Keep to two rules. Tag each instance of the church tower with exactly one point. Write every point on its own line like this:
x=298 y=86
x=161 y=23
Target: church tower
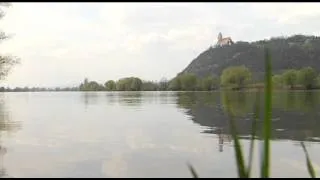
x=224 y=41
x=219 y=37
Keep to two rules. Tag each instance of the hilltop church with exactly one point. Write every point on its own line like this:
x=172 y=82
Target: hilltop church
x=223 y=41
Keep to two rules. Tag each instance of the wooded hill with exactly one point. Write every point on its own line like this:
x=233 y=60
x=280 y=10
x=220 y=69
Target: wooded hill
x=293 y=52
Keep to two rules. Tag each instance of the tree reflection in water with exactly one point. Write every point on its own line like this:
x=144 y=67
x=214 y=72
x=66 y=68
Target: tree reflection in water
x=7 y=126
x=295 y=115
x=222 y=138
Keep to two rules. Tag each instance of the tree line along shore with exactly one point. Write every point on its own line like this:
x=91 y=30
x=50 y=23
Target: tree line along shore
x=232 y=78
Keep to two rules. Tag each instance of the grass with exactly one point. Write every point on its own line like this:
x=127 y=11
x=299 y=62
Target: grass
x=243 y=170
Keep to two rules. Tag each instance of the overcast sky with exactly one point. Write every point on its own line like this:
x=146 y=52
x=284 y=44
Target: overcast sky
x=62 y=43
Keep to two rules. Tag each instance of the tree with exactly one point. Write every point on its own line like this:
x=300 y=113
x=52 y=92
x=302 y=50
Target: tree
x=277 y=80
x=149 y=86
x=237 y=103
x=110 y=85
x=163 y=84
x=121 y=84
x=84 y=86
x=129 y=84
x=175 y=84
x=6 y=61
x=208 y=83
x=135 y=84
x=184 y=82
x=236 y=77
x=188 y=82
x=290 y=77
x=94 y=86
x=318 y=81
x=90 y=86
x=307 y=77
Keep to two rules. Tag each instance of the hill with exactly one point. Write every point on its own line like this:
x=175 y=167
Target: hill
x=292 y=52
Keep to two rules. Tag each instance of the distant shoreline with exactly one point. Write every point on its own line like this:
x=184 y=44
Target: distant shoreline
x=218 y=90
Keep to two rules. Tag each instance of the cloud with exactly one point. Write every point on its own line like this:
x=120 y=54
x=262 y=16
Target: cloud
x=62 y=43
x=285 y=12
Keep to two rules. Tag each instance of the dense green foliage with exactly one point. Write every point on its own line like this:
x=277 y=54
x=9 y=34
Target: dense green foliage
x=190 y=82
x=183 y=82
x=90 y=86
x=129 y=84
x=277 y=81
x=175 y=84
x=236 y=77
x=208 y=83
x=149 y=86
x=290 y=77
x=110 y=85
x=305 y=78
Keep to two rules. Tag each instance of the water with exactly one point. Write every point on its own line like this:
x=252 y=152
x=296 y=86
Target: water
x=148 y=134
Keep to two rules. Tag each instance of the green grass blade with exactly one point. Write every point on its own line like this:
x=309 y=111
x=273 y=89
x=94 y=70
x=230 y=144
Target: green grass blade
x=193 y=171
x=309 y=164
x=254 y=130
x=238 y=151
x=267 y=119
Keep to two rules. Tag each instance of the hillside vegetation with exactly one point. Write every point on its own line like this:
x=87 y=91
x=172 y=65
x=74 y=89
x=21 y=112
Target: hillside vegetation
x=293 y=52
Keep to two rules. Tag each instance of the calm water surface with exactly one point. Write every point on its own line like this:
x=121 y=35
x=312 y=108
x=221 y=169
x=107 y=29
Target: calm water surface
x=148 y=134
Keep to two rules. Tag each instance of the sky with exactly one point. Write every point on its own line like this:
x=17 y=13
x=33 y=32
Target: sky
x=60 y=44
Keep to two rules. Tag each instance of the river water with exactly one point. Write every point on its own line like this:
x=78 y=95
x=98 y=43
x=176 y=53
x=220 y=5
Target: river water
x=149 y=134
